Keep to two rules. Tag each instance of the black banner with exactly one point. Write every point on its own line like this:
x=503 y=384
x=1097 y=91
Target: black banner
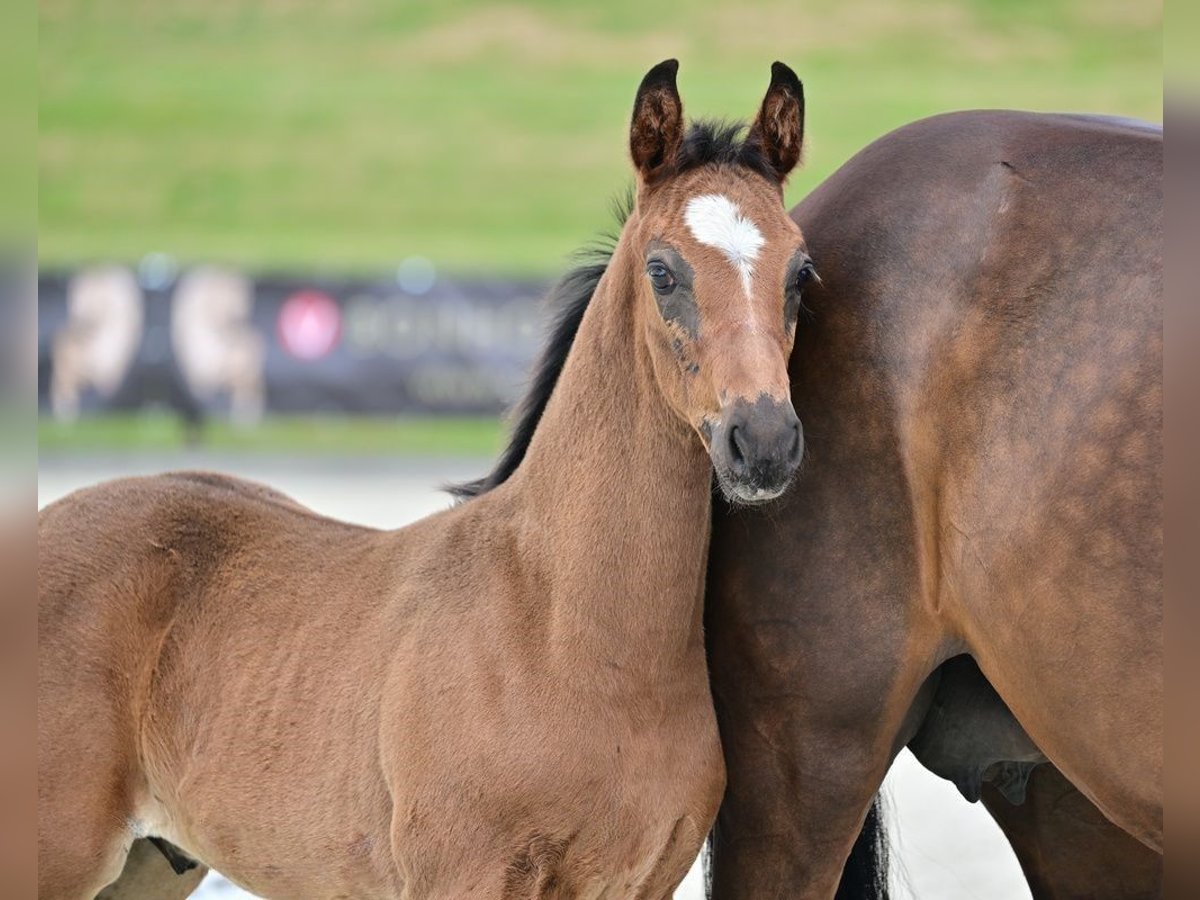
x=215 y=342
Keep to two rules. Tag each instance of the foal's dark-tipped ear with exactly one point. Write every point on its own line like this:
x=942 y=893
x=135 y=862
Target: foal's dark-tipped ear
x=779 y=129
x=657 y=128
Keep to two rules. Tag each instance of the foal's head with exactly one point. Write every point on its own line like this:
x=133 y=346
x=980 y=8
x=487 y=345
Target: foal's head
x=724 y=270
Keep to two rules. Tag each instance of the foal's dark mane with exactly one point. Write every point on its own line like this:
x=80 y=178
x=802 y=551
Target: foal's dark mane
x=569 y=301
x=707 y=143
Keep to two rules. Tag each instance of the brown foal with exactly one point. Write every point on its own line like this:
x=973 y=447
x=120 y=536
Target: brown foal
x=507 y=699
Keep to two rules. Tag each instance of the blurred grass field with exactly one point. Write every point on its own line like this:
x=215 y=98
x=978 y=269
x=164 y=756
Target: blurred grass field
x=491 y=137
x=158 y=432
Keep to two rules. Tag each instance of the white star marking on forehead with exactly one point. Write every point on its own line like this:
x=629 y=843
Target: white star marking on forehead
x=715 y=220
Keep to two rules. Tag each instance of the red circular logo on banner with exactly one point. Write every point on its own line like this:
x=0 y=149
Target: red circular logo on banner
x=310 y=325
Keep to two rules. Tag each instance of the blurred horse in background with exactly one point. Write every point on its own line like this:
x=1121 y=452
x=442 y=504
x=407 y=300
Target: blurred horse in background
x=217 y=348
x=98 y=342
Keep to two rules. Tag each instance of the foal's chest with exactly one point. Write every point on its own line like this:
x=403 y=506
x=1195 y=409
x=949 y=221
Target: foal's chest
x=600 y=804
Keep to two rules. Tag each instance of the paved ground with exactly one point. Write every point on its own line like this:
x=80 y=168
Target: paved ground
x=947 y=849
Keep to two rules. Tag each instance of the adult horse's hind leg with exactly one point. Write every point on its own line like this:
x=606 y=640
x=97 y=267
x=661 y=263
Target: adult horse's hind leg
x=1068 y=849
x=149 y=876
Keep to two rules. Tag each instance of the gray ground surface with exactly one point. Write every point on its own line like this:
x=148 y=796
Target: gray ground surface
x=945 y=847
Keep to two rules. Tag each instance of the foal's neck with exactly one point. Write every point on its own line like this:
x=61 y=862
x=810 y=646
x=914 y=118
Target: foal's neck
x=615 y=493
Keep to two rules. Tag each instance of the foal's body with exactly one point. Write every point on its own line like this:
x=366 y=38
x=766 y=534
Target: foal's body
x=508 y=699
x=272 y=660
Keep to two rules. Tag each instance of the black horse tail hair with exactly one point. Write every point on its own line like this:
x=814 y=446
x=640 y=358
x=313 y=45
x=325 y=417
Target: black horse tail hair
x=866 y=875
x=867 y=871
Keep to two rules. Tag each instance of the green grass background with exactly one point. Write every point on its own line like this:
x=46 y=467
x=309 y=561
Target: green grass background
x=345 y=135
x=162 y=432
x=348 y=134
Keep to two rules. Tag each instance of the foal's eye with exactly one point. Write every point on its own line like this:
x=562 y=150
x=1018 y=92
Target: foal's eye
x=660 y=277
x=804 y=275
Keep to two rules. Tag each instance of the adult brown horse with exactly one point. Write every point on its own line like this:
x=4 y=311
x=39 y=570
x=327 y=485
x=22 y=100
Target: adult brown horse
x=981 y=386
x=508 y=699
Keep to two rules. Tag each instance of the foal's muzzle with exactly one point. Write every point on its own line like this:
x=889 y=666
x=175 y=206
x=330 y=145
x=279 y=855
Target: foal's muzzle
x=756 y=449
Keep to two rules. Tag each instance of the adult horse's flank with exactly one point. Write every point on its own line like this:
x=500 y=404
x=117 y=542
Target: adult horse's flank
x=507 y=699
x=972 y=560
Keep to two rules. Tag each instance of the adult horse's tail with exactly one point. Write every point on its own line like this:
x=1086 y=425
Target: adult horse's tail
x=866 y=874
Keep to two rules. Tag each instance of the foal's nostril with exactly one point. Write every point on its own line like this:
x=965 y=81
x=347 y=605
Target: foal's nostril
x=737 y=447
x=794 y=450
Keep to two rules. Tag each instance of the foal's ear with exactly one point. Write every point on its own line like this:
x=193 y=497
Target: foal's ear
x=657 y=128
x=779 y=129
